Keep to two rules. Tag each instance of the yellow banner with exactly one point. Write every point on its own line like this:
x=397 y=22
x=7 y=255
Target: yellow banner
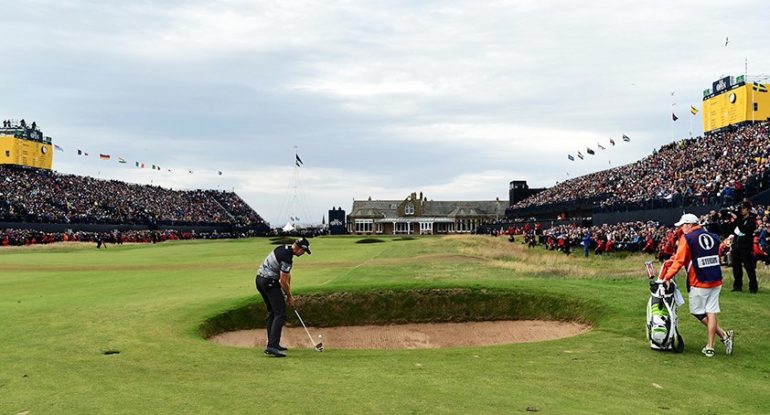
x=746 y=103
x=21 y=152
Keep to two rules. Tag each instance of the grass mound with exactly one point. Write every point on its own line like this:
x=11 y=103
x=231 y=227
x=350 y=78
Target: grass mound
x=410 y=306
x=369 y=241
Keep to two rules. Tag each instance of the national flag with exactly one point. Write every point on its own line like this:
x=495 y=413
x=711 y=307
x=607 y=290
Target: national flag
x=121 y=160
x=626 y=138
x=674 y=117
x=580 y=155
x=612 y=141
x=56 y=147
x=298 y=160
x=601 y=147
x=589 y=151
x=693 y=110
x=569 y=156
x=104 y=156
x=759 y=87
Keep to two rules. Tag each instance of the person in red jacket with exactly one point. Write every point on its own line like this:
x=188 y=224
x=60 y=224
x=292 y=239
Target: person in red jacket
x=698 y=253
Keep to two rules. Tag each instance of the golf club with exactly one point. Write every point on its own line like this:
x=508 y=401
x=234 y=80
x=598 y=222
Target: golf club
x=650 y=269
x=320 y=346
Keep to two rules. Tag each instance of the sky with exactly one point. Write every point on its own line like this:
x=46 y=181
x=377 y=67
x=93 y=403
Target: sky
x=379 y=99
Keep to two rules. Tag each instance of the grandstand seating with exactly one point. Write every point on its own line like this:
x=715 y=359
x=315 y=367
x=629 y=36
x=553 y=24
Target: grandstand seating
x=721 y=168
x=32 y=195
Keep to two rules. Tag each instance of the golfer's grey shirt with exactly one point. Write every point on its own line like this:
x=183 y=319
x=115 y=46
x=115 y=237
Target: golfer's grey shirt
x=280 y=260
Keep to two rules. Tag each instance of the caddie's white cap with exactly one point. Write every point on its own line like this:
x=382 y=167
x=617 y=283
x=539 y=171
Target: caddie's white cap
x=688 y=218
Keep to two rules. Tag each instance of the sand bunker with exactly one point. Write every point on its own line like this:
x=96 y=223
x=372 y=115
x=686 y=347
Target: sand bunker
x=411 y=336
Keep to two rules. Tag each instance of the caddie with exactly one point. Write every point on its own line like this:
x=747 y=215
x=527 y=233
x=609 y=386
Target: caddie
x=698 y=253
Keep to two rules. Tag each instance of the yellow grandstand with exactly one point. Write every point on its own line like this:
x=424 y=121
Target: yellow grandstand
x=25 y=145
x=733 y=101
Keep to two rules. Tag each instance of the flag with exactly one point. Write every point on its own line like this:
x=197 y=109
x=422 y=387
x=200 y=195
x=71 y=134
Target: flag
x=759 y=87
x=169 y=170
x=674 y=117
x=580 y=155
x=220 y=173
x=55 y=147
x=121 y=160
x=80 y=152
x=626 y=138
x=85 y=154
x=693 y=110
x=141 y=165
x=298 y=160
x=104 y=156
x=612 y=141
x=137 y=164
x=153 y=167
x=601 y=147
x=569 y=156
x=589 y=151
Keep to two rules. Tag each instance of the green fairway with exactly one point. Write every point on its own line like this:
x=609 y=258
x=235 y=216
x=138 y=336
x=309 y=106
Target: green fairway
x=62 y=307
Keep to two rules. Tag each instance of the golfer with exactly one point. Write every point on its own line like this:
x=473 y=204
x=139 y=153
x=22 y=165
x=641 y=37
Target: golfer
x=698 y=253
x=274 y=284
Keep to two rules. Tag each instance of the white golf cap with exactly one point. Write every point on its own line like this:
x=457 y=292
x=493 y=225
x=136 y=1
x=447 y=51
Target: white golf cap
x=687 y=218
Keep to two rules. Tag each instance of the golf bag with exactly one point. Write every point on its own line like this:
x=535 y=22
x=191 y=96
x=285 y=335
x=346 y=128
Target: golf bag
x=662 y=322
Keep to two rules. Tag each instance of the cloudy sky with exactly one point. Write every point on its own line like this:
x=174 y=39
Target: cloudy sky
x=379 y=98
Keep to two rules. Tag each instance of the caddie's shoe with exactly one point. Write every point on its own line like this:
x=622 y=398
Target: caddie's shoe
x=728 y=342
x=708 y=352
x=272 y=351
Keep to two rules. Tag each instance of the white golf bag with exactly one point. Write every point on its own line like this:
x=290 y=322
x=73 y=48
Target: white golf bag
x=662 y=322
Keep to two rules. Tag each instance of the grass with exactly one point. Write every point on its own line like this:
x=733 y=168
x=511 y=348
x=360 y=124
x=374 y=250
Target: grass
x=63 y=307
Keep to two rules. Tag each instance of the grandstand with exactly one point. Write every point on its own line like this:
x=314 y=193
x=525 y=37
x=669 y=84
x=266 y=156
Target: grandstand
x=33 y=196
x=701 y=174
x=37 y=196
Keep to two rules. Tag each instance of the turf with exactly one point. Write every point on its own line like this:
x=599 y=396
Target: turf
x=118 y=331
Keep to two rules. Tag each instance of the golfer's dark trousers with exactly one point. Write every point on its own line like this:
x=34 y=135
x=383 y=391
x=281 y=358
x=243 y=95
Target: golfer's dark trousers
x=276 y=308
x=743 y=258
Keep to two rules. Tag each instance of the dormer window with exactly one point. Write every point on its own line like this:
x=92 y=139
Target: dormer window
x=409 y=209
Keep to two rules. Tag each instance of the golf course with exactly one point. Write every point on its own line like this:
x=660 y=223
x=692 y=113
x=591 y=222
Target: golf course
x=125 y=330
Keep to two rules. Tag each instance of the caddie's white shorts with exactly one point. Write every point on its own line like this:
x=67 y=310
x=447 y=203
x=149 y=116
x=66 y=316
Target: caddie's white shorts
x=704 y=300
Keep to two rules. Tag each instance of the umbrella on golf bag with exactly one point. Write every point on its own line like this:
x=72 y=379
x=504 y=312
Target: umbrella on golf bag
x=662 y=322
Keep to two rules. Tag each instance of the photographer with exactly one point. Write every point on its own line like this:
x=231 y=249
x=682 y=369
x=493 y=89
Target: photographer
x=742 y=249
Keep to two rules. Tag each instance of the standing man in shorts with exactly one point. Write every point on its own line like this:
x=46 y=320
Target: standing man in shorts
x=274 y=284
x=698 y=253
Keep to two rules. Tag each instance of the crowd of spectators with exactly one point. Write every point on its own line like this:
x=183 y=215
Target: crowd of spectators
x=30 y=195
x=720 y=168
x=27 y=237
x=648 y=237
